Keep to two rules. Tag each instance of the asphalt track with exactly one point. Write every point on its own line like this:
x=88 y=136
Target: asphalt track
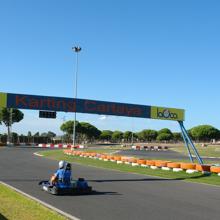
x=119 y=195
x=154 y=154
x=168 y=154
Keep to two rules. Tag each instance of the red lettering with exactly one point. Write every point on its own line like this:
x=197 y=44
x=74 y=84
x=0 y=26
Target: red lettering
x=102 y=108
x=90 y=106
x=59 y=103
x=33 y=103
x=129 y=111
x=121 y=109
x=113 y=108
x=137 y=112
x=71 y=106
x=42 y=103
x=50 y=103
x=20 y=100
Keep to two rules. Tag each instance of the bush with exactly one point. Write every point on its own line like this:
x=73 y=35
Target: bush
x=204 y=133
x=164 y=137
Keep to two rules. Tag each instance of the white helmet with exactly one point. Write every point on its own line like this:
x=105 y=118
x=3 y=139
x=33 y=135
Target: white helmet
x=61 y=164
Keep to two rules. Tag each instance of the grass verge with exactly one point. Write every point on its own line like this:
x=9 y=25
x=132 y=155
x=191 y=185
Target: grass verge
x=16 y=206
x=213 y=179
x=209 y=151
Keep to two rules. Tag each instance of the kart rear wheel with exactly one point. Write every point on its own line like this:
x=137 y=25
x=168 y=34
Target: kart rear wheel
x=53 y=190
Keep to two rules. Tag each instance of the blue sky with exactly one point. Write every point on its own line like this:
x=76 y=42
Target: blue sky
x=163 y=53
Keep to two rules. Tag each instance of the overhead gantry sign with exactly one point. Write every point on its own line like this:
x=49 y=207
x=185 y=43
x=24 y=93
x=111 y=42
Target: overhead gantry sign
x=50 y=103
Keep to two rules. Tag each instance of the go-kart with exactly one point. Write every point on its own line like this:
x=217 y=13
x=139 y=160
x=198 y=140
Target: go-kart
x=77 y=187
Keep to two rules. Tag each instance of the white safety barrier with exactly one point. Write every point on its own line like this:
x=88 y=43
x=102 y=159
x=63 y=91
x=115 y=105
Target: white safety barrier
x=191 y=171
x=154 y=148
x=60 y=146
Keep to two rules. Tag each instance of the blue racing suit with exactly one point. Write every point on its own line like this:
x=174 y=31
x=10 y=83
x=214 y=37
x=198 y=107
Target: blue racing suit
x=63 y=176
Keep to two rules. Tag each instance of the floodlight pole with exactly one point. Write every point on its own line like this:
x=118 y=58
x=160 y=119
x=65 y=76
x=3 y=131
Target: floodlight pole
x=9 y=127
x=76 y=49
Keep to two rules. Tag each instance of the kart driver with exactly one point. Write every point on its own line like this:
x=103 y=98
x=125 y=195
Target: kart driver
x=63 y=174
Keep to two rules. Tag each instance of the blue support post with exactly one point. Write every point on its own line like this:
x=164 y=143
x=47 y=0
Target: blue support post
x=186 y=143
x=191 y=143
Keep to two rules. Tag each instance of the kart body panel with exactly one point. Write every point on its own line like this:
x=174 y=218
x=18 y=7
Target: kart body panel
x=78 y=187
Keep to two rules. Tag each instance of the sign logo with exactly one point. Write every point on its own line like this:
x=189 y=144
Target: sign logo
x=167 y=113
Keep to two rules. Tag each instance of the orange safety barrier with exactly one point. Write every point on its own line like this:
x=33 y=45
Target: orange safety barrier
x=93 y=154
x=215 y=169
x=150 y=162
x=161 y=163
x=124 y=159
x=112 y=158
x=188 y=166
x=104 y=156
x=141 y=161
x=173 y=165
x=71 y=152
x=67 y=151
x=117 y=158
x=98 y=155
x=158 y=163
x=108 y=157
x=77 y=153
x=132 y=160
x=203 y=167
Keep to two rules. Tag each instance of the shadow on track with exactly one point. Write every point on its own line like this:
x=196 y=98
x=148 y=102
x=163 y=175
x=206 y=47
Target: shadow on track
x=94 y=193
x=113 y=180
x=146 y=179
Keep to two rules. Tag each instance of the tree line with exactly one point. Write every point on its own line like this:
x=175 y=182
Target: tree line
x=88 y=133
x=29 y=138
x=85 y=132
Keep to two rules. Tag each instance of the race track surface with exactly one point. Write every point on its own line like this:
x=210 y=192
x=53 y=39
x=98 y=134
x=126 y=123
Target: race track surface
x=168 y=154
x=154 y=154
x=119 y=195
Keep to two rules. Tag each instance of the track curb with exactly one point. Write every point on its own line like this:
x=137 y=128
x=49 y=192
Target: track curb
x=38 y=154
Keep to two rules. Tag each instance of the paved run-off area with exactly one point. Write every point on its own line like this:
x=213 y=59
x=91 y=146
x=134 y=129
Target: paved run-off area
x=118 y=195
